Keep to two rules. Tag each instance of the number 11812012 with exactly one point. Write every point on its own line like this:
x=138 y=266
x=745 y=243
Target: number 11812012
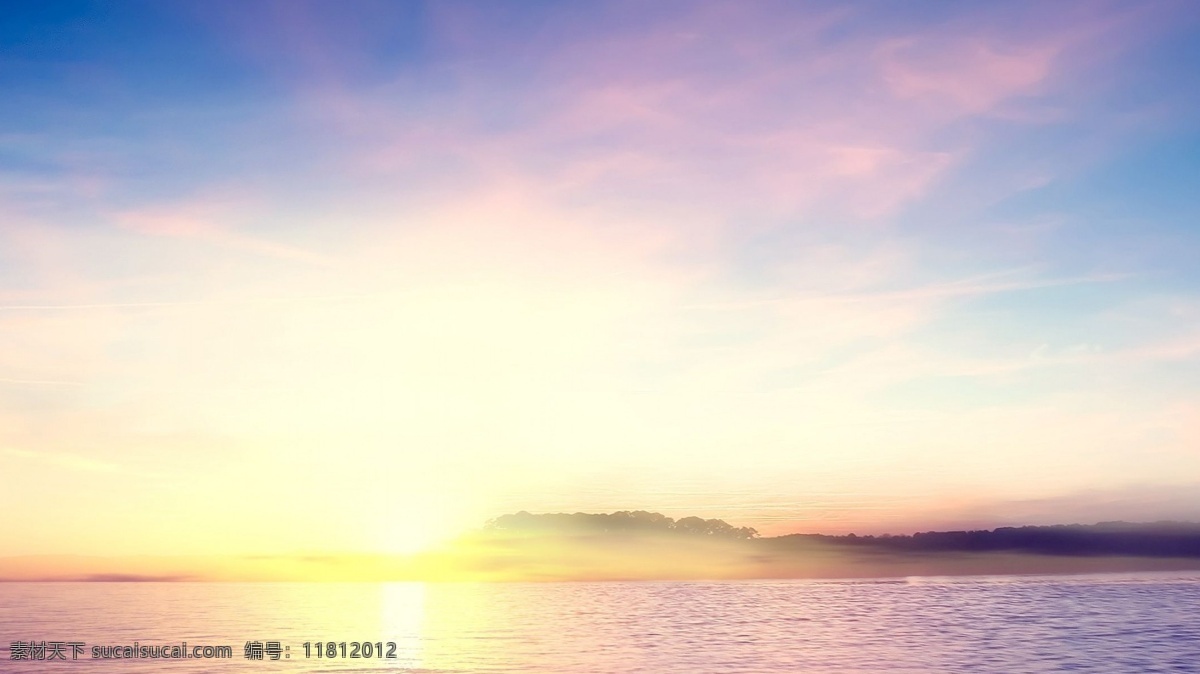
x=351 y=649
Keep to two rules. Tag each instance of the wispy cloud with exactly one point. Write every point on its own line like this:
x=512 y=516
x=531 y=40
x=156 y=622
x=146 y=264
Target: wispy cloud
x=64 y=460
x=40 y=382
x=207 y=221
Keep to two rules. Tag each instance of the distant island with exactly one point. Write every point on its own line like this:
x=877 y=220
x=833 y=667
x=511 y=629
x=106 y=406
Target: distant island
x=1155 y=539
x=643 y=545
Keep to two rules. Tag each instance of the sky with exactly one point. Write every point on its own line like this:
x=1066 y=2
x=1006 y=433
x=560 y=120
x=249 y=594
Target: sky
x=279 y=277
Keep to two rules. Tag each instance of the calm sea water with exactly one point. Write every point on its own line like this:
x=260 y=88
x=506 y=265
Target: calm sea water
x=1131 y=623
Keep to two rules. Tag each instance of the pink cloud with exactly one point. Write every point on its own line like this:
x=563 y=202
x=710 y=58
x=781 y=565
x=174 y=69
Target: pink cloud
x=760 y=110
x=215 y=222
x=970 y=76
x=773 y=116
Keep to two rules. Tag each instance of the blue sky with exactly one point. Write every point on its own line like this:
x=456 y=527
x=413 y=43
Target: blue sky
x=803 y=266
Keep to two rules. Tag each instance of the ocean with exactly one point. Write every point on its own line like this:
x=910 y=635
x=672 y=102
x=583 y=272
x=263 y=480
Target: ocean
x=1136 y=623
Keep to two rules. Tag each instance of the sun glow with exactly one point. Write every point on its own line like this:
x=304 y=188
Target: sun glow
x=801 y=268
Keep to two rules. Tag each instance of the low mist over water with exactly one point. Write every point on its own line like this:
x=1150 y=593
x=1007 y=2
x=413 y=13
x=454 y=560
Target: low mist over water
x=641 y=545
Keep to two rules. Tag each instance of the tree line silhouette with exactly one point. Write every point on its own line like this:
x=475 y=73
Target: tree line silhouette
x=1157 y=539
x=624 y=521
